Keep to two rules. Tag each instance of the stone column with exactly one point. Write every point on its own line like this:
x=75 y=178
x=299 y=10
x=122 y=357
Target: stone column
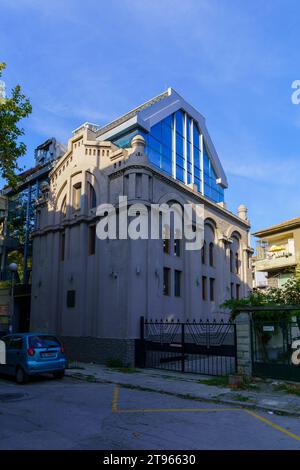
x=243 y=338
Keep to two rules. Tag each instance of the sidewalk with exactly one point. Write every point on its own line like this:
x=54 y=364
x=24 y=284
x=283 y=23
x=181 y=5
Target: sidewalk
x=264 y=396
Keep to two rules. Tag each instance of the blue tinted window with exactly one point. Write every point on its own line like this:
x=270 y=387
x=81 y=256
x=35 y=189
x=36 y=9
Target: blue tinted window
x=179 y=122
x=154 y=157
x=179 y=173
x=179 y=160
x=160 y=144
x=154 y=143
x=196 y=136
x=124 y=140
x=188 y=129
x=159 y=147
x=197 y=158
x=156 y=131
x=167 y=165
x=167 y=153
x=211 y=189
x=179 y=145
x=167 y=135
x=168 y=121
x=197 y=182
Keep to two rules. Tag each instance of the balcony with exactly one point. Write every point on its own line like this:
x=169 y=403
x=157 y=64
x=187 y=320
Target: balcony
x=276 y=259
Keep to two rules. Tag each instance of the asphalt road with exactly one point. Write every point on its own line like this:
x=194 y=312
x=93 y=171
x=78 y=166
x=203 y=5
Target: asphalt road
x=71 y=414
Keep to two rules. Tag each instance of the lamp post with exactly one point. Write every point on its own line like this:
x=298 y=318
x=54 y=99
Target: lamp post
x=13 y=267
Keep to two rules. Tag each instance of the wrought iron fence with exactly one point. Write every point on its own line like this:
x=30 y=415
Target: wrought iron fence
x=201 y=347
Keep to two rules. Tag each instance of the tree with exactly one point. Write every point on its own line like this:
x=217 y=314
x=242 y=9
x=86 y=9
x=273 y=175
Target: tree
x=12 y=110
x=288 y=294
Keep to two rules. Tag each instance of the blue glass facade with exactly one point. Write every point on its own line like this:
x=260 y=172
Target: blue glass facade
x=211 y=189
x=174 y=146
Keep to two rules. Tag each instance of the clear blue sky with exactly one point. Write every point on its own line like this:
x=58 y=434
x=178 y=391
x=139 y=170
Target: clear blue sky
x=234 y=60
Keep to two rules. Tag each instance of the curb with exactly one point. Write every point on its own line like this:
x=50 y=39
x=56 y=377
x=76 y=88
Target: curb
x=225 y=401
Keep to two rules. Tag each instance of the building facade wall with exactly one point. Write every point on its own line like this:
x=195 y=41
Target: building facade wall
x=123 y=280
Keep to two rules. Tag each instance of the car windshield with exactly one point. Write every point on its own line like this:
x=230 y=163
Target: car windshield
x=43 y=341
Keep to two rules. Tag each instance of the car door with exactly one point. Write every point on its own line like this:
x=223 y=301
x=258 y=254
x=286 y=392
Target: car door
x=4 y=368
x=14 y=353
x=14 y=346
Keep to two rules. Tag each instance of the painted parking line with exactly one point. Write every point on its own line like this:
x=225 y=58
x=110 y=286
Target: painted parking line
x=114 y=405
x=116 y=409
x=273 y=425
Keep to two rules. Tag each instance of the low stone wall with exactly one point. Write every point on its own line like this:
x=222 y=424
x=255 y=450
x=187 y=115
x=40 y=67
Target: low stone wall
x=99 y=350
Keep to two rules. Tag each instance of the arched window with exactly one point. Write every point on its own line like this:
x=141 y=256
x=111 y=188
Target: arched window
x=237 y=263
x=231 y=261
x=63 y=209
x=203 y=253
x=92 y=196
x=77 y=197
x=211 y=254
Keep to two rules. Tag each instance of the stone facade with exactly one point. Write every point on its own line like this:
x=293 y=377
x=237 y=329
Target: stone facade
x=94 y=296
x=243 y=334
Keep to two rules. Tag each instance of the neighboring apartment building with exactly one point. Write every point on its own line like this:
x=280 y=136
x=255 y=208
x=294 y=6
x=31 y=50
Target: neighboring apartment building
x=259 y=278
x=17 y=221
x=278 y=252
x=93 y=292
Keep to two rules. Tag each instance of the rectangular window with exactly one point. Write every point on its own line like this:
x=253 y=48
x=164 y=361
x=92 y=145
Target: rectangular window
x=212 y=289
x=177 y=247
x=16 y=343
x=62 y=246
x=71 y=298
x=92 y=240
x=177 y=283
x=166 y=286
x=166 y=245
x=238 y=291
x=204 y=287
x=232 y=290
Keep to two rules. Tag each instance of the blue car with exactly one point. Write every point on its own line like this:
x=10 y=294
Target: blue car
x=29 y=354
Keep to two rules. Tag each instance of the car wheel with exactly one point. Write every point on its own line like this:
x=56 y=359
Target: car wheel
x=59 y=374
x=21 y=376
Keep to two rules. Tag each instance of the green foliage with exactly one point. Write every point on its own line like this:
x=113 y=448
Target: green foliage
x=221 y=381
x=297 y=275
x=291 y=389
x=289 y=294
x=114 y=362
x=12 y=110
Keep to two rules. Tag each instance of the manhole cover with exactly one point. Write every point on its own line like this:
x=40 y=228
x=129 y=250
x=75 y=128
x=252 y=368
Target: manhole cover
x=11 y=396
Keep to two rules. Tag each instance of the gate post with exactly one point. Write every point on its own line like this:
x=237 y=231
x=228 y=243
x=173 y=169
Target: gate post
x=243 y=344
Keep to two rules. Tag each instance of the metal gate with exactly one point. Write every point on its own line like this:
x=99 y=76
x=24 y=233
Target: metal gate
x=273 y=345
x=195 y=347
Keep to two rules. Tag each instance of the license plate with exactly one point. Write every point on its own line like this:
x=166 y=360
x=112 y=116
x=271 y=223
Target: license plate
x=48 y=354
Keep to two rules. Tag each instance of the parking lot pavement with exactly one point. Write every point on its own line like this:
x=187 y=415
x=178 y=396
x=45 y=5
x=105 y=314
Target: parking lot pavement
x=71 y=414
